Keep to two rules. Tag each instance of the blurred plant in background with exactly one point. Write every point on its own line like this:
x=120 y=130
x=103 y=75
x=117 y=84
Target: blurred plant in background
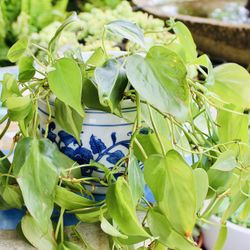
x=21 y=18
x=87 y=32
x=42 y=18
x=87 y=5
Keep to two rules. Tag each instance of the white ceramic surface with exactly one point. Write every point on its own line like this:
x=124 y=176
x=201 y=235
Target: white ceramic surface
x=104 y=138
x=238 y=237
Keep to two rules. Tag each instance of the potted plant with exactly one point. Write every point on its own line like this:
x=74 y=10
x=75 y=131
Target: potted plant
x=188 y=140
x=237 y=231
x=229 y=227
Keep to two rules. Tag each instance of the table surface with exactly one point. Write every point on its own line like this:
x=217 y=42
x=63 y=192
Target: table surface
x=5 y=142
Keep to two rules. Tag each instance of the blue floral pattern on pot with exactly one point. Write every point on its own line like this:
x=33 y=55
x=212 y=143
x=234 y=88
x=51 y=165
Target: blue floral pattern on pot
x=104 y=138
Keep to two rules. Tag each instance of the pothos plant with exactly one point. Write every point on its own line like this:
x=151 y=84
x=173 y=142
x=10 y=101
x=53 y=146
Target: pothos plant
x=195 y=147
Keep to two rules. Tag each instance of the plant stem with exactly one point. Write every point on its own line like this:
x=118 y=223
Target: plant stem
x=141 y=148
x=60 y=221
x=49 y=118
x=5 y=129
x=82 y=239
x=216 y=106
x=156 y=131
x=36 y=60
x=138 y=113
x=145 y=200
x=103 y=42
x=4 y=119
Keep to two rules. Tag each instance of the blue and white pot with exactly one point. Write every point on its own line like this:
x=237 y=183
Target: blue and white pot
x=104 y=138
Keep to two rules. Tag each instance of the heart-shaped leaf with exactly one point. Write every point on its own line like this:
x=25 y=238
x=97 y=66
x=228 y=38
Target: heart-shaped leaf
x=37 y=165
x=135 y=178
x=68 y=119
x=53 y=42
x=127 y=30
x=71 y=201
x=111 y=82
x=122 y=210
x=26 y=69
x=184 y=42
x=12 y=196
x=17 y=50
x=201 y=181
x=110 y=229
x=232 y=126
x=226 y=161
x=9 y=87
x=232 y=84
x=38 y=238
x=162 y=85
x=66 y=83
x=161 y=228
x=177 y=189
x=18 y=107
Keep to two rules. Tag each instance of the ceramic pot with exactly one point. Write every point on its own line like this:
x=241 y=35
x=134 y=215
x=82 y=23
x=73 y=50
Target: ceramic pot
x=237 y=237
x=104 y=138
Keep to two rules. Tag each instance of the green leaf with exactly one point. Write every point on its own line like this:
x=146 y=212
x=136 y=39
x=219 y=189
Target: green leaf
x=53 y=42
x=127 y=30
x=37 y=165
x=160 y=125
x=10 y=87
x=68 y=119
x=69 y=200
x=97 y=59
x=110 y=229
x=237 y=199
x=201 y=181
x=122 y=210
x=67 y=245
x=38 y=238
x=90 y=215
x=135 y=178
x=173 y=185
x=111 y=82
x=3 y=204
x=186 y=41
x=232 y=84
x=243 y=216
x=26 y=69
x=13 y=196
x=65 y=82
x=6 y=202
x=205 y=62
x=18 y=107
x=231 y=126
x=221 y=238
x=166 y=80
x=219 y=180
x=90 y=96
x=60 y=5
x=162 y=229
x=4 y=167
x=150 y=145
x=226 y=161
x=160 y=121
x=17 y=50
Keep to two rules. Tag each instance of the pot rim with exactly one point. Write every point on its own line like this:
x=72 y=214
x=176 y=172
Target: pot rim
x=232 y=225
x=124 y=104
